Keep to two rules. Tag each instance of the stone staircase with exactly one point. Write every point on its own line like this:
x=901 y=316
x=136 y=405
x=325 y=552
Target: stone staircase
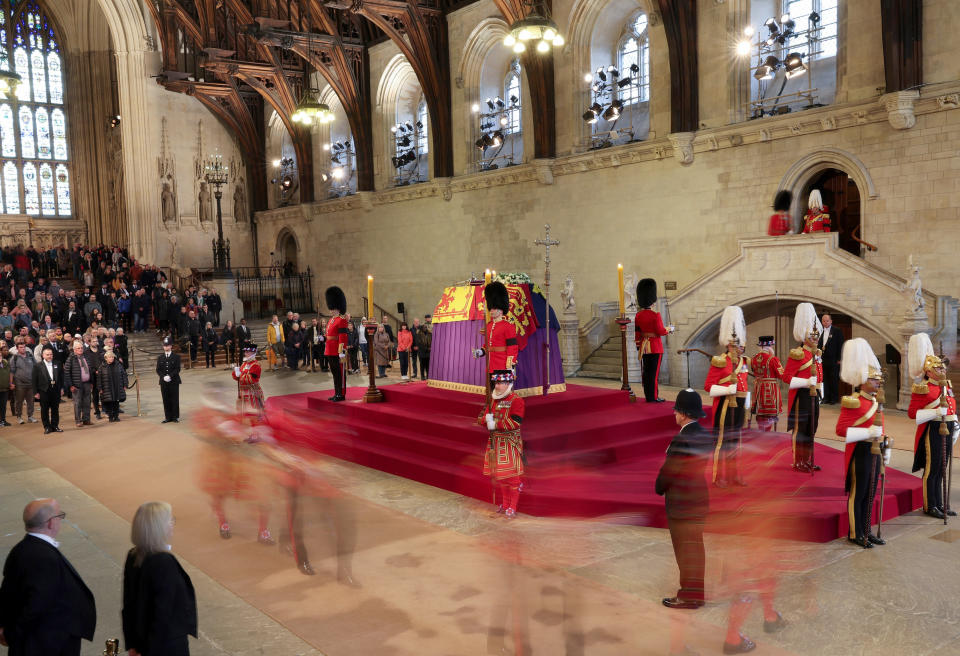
x=605 y=362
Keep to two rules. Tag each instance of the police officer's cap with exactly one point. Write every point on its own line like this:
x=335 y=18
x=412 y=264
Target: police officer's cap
x=689 y=403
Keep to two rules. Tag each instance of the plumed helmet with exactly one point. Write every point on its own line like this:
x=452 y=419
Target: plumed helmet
x=815 y=202
x=805 y=322
x=689 y=403
x=336 y=299
x=496 y=296
x=921 y=355
x=646 y=292
x=859 y=362
x=782 y=201
x=732 y=326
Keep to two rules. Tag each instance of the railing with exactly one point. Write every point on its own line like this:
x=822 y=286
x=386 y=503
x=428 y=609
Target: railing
x=382 y=313
x=264 y=296
x=870 y=247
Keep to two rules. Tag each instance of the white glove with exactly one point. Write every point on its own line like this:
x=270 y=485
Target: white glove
x=491 y=422
x=955 y=433
x=799 y=383
x=812 y=382
x=746 y=403
x=343 y=354
x=671 y=329
x=942 y=410
x=925 y=415
x=876 y=431
x=166 y=379
x=820 y=389
x=855 y=434
x=886 y=456
x=236 y=370
x=721 y=390
x=478 y=353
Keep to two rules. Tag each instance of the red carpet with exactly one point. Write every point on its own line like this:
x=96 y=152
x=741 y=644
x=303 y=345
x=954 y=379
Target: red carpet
x=590 y=453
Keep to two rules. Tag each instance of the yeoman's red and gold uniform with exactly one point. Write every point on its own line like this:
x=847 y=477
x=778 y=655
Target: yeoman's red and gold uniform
x=251 y=394
x=767 y=371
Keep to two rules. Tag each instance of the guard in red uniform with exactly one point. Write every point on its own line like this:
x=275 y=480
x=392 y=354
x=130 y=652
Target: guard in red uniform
x=503 y=460
x=934 y=408
x=861 y=425
x=804 y=374
x=248 y=377
x=780 y=219
x=501 y=333
x=648 y=330
x=336 y=342
x=727 y=384
x=817 y=218
x=767 y=372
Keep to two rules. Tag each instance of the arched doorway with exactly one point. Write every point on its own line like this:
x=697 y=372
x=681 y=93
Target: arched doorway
x=842 y=196
x=285 y=256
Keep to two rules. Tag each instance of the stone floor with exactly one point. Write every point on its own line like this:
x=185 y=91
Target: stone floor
x=444 y=575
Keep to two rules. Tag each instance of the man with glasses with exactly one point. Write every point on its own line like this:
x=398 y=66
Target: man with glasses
x=45 y=607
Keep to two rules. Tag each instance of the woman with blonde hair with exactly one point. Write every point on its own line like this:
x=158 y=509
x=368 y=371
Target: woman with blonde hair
x=159 y=604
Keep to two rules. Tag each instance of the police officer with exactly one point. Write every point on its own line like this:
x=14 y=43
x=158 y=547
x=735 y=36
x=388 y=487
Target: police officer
x=168 y=369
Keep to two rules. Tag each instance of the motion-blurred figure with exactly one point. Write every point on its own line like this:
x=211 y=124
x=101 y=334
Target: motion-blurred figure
x=727 y=384
x=247 y=376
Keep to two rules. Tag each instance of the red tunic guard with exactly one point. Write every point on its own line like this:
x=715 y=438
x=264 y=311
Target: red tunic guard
x=929 y=447
x=648 y=329
x=337 y=336
x=728 y=412
x=816 y=220
x=501 y=345
x=779 y=224
x=722 y=373
x=503 y=459
x=768 y=402
x=861 y=464
x=803 y=362
x=251 y=394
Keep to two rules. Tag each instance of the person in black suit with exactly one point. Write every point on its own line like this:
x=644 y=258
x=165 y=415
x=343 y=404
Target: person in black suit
x=243 y=334
x=831 y=344
x=47 y=383
x=168 y=369
x=682 y=483
x=45 y=607
x=159 y=603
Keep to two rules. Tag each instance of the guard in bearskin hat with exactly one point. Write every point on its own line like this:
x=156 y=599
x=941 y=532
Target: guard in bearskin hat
x=648 y=331
x=804 y=375
x=727 y=384
x=335 y=349
x=503 y=460
x=861 y=425
x=780 y=219
x=934 y=408
x=501 y=333
x=767 y=370
x=686 y=496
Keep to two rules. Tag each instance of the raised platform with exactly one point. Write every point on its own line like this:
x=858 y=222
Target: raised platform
x=590 y=453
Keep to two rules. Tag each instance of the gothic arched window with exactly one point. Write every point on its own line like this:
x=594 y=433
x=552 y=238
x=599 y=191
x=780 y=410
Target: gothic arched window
x=423 y=118
x=633 y=60
x=33 y=124
x=511 y=96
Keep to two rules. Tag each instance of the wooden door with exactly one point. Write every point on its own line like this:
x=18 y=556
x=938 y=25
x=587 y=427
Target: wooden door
x=842 y=198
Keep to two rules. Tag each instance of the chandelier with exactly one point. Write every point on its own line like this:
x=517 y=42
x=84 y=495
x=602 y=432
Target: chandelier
x=536 y=27
x=309 y=110
x=9 y=82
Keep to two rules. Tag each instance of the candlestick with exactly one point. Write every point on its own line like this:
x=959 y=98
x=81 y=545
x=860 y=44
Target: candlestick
x=620 y=285
x=370 y=312
x=486 y=277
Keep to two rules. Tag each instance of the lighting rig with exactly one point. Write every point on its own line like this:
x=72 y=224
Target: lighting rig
x=342 y=165
x=494 y=119
x=285 y=178
x=406 y=137
x=785 y=49
x=608 y=88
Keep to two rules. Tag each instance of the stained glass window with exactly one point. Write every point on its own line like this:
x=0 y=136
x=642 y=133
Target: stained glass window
x=31 y=201
x=11 y=188
x=33 y=125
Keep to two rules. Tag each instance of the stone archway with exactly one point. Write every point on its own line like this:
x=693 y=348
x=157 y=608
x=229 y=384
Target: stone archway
x=287 y=251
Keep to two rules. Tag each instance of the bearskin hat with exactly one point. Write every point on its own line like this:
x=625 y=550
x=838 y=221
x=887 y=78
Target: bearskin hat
x=782 y=201
x=496 y=296
x=646 y=292
x=336 y=299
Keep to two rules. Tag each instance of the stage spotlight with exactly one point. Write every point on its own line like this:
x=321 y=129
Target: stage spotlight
x=404 y=142
x=490 y=104
x=485 y=126
x=475 y=108
x=784 y=18
x=326 y=146
x=480 y=145
x=597 y=87
x=514 y=100
x=634 y=69
x=743 y=48
x=337 y=173
x=590 y=116
x=276 y=163
x=612 y=113
x=612 y=70
x=497 y=138
x=748 y=31
x=504 y=120
x=624 y=82
x=419 y=125
x=793 y=65
x=394 y=129
x=588 y=78
x=814 y=18
x=499 y=102
x=396 y=162
x=409 y=126
x=601 y=74
x=766 y=70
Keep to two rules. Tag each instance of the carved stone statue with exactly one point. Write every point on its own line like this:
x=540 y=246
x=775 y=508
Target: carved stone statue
x=240 y=203
x=204 y=207
x=566 y=296
x=168 y=204
x=914 y=288
x=630 y=292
